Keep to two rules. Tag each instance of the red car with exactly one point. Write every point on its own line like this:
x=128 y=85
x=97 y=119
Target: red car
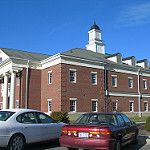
x=99 y=131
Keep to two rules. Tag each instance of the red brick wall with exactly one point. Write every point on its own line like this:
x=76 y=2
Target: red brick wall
x=34 y=97
x=83 y=89
x=123 y=103
x=142 y=86
x=122 y=80
x=51 y=91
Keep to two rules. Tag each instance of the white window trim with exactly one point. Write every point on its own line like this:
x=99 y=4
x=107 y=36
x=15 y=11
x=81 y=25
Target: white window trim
x=92 y=72
x=49 y=72
x=95 y=100
x=49 y=100
x=131 y=83
x=116 y=84
x=131 y=101
x=75 y=70
x=146 y=84
x=116 y=105
x=147 y=106
x=73 y=99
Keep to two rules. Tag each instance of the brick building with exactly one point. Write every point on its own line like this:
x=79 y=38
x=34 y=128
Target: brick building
x=78 y=80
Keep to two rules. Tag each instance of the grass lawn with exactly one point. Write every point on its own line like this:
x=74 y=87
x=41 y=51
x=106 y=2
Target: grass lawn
x=138 y=119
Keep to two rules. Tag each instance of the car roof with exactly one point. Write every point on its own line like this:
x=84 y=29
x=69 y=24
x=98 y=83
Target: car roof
x=103 y=113
x=19 y=110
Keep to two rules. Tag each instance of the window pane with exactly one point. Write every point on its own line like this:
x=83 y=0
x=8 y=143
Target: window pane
x=94 y=78
x=49 y=77
x=114 y=81
x=130 y=83
x=131 y=106
x=72 y=105
x=94 y=106
x=72 y=76
x=44 y=118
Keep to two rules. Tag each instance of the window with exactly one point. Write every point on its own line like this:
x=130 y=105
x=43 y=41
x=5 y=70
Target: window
x=49 y=105
x=94 y=105
x=50 y=77
x=114 y=106
x=17 y=103
x=130 y=82
x=126 y=119
x=17 y=81
x=43 y=118
x=72 y=75
x=145 y=106
x=131 y=106
x=145 y=84
x=114 y=80
x=73 y=104
x=27 y=118
x=120 y=120
x=94 y=78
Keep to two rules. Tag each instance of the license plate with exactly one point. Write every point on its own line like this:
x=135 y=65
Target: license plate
x=83 y=134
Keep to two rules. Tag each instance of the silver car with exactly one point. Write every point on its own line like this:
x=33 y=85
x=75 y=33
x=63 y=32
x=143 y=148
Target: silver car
x=23 y=126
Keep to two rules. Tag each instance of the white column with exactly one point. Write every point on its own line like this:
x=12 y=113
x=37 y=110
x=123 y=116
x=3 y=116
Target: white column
x=12 y=90
x=5 y=92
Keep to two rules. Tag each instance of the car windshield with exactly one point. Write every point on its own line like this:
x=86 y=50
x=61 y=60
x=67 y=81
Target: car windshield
x=102 y=119
x=4 y=115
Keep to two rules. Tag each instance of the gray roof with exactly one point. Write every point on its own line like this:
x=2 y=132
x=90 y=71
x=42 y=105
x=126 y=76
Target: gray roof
x=86 y=54
x=13 y=53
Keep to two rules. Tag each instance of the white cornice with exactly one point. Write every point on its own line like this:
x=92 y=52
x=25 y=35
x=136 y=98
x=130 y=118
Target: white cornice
x=124 y=94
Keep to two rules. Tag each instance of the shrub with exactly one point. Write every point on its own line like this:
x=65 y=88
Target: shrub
x=147 y=125
x=60 y=116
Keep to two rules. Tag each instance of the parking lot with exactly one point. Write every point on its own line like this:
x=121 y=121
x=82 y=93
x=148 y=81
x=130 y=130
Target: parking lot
x=143 y=144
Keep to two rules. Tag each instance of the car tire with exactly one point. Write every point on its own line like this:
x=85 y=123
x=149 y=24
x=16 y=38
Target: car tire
x=17 y=142
x=118 y=145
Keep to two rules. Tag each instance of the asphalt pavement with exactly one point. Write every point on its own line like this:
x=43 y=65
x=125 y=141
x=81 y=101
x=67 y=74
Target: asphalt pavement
x=143 y=144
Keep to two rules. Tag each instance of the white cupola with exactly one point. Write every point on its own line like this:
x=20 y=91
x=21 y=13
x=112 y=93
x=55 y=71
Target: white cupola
x=95 y=42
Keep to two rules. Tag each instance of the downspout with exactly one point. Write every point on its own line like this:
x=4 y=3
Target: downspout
x=105 y=87
x=139 y=94
x=26 y=90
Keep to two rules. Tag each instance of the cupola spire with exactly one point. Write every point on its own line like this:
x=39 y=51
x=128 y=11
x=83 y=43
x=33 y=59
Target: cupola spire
x=95 y=42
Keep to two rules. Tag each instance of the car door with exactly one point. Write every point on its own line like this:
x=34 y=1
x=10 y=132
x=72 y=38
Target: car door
x=51 y=129
x=130 y=127
x=122 y=129
x=31 y=127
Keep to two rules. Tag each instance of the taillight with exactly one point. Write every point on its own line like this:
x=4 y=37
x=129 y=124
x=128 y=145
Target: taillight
x=105 y=131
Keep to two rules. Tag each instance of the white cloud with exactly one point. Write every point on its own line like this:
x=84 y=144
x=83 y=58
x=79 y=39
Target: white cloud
x=136 y=14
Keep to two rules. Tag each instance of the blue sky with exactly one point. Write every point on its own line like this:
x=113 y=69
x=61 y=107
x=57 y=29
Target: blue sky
x=53 y=26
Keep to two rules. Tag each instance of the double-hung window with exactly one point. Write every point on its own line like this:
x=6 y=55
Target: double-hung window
x=131 y=106
x=72 y=75
x=49 y=105
x=94 y=78
x=94 y=105
x=114 y=80
x=144 y=84
x=50 y=77
x=114 y=106
x=145 y=106
x=130 y=82
x=73 y=104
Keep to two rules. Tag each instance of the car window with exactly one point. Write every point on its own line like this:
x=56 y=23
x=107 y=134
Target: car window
x=27 y=118
x=121 y=122
x=97 y=119
x=43 y=118
x=4 y=115
x=126 y=119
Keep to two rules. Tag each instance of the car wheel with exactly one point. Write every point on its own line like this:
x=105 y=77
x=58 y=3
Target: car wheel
x=118 y=145
x=16 y=142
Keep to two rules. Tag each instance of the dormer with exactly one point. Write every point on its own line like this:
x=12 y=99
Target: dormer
x=142 y=63
x=129 y=61
x=117 y=58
